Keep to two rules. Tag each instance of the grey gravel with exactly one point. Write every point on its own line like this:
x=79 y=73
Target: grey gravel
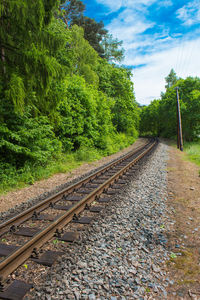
x=121 y=255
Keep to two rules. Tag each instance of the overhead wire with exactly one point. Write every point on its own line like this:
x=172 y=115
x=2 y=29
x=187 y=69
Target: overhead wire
x=193 y=47
x=180 y=66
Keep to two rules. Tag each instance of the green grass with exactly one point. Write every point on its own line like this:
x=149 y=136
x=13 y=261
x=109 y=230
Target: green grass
x=12 y=179
x=193 y=151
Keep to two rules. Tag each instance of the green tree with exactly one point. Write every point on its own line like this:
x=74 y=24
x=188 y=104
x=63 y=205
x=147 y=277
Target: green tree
x=27 y=61
x=72 y=10
x=171 y=79
x=112 y=48
x=93 y=32
x=150 y=119
x=85 y=115
x=116 y=83
x=164 y=117
x=85 y=58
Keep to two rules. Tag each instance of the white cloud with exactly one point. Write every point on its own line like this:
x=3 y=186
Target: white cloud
x=131 y=4
x=166 y=3
x=149 y=80
x=190 y=14
x=128 y=26
x=160 y=49
x=109 y=3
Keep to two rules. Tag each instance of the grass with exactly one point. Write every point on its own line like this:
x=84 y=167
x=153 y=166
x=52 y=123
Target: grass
x=193 y=151
x=12 y=179
x=185 y=262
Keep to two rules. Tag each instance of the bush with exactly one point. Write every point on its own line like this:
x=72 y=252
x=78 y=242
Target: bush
x=28 y=139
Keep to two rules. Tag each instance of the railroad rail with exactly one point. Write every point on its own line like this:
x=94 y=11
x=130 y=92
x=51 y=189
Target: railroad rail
x=83 y=193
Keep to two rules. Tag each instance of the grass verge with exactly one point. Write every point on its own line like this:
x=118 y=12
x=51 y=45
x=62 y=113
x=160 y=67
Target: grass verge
x=193 y=151
x=12 y=178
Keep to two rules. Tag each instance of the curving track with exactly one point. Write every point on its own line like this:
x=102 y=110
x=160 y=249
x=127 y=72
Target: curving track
x=73 y=201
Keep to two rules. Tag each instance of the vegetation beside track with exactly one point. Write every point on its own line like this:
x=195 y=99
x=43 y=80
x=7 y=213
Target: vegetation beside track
x=193 y=151
x=63 y=98
x=11 y=178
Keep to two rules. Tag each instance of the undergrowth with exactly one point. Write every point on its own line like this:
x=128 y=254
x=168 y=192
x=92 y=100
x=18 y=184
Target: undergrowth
x=193 y=151
x=12 y=177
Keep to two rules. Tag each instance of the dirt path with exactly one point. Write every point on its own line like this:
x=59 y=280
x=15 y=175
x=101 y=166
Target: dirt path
x=184 y=238
x=21 y=195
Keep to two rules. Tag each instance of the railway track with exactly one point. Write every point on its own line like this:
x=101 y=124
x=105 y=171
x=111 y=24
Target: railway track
x=75 y=199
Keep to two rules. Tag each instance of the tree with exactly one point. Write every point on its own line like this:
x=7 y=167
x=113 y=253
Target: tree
x=27 y=51
x=150 y=119
x=163 y=119
x=73 y=14
x=93 y=32
x=116 y=83
x=171 y=79
x=72 y=10
x=112 y=48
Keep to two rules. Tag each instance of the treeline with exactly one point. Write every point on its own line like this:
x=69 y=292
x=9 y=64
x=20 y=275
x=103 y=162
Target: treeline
x=60 y=89
x=160 y=117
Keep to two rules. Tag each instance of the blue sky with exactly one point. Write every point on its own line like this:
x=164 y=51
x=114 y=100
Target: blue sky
x=157 y=35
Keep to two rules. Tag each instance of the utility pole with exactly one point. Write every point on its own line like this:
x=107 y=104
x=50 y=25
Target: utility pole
x=179 y=125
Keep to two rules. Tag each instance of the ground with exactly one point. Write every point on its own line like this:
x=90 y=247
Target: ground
x=184 y=240
x=183 y=268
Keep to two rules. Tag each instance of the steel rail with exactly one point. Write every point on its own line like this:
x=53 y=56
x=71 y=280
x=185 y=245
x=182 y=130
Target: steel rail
x=18 y=257
x=27 y=214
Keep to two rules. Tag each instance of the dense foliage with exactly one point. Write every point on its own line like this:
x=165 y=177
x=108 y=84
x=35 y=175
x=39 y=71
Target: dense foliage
x=94 y=32
x=160 y=117
x=59 y=89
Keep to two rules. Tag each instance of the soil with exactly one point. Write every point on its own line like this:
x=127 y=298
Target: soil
x=184 y=237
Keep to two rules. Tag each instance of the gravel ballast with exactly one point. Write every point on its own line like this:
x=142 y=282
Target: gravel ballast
x=122 y=254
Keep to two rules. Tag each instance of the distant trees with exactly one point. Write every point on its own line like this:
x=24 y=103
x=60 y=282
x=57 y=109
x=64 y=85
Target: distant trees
x=171 y=79
x=159 y=118
x=116 y=83
x=150 y=119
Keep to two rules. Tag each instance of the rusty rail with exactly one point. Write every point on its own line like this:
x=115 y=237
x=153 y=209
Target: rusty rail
x=27 y=214
x=15 y=259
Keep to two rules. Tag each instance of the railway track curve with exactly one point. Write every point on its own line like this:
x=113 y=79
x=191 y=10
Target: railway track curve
x=73 y=200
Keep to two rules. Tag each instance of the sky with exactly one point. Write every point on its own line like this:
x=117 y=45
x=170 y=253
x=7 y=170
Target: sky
x=157 y=35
